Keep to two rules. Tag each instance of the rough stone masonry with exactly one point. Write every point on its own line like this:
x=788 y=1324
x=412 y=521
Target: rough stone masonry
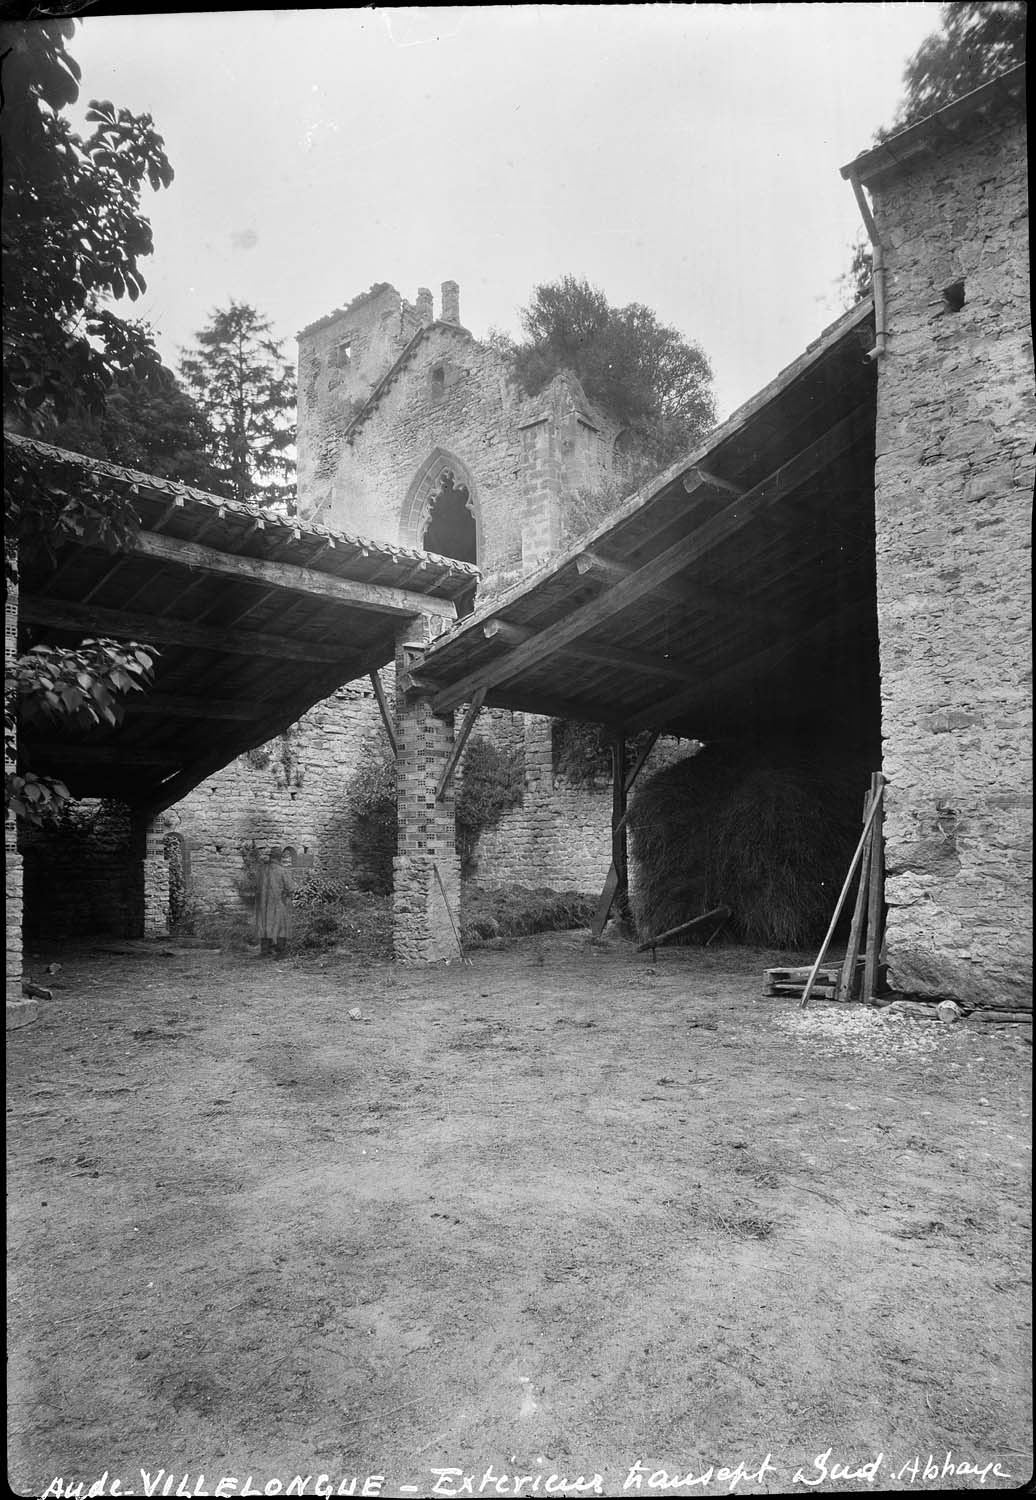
x=954 y=481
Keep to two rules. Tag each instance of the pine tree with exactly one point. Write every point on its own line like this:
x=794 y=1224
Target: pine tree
x=241 y=382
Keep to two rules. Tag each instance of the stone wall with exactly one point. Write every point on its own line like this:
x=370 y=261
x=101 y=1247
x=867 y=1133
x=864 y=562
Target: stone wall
x=561 y=835
x=79 y=875
x=291 y=792
x=954 y=484
x=450 y=405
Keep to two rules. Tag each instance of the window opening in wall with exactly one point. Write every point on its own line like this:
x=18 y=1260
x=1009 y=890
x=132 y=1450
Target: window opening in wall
x=450 y=529
x=953 y=295
x=341 y=354
x=438 y=380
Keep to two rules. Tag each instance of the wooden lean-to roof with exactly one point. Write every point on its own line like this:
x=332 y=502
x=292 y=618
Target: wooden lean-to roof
x=256 y=618
x=733 y=595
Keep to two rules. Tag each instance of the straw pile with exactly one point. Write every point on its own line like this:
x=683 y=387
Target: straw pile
x=770 y=835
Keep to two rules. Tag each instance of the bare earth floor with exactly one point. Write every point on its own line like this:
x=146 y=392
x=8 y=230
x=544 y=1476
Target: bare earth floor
x=551 y=1214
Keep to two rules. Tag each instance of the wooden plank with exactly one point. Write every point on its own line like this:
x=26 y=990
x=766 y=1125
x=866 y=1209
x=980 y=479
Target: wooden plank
x=383 y=709
x=604 y=905
x=474 y=709
x=841 y=899
x=126 y=625
x=875 y=896
x=647 y=579
x=847 y=976
x=620 y=839
x=671 y=932
x=300 y=580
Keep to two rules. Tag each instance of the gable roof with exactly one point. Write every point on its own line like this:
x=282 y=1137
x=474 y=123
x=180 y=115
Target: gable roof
x=395 y=370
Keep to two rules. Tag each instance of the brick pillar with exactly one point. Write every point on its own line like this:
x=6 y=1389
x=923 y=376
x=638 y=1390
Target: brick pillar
x=425 y=308
x=149 y=911
x=422 y=930
x=20 y=1011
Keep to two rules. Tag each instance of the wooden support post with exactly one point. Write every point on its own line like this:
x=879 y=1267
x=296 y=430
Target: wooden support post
x=616 y=886
x=474 y=709
x=383 y=708
x=847 y=978
x=638 y=766
x=875 y=896
x=875 y=806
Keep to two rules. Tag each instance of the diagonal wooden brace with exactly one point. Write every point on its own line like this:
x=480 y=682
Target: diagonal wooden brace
x=386 y=717
x=473 y=712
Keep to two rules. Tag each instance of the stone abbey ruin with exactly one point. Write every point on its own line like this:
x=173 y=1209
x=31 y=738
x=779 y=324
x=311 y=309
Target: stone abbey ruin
x=844 y=563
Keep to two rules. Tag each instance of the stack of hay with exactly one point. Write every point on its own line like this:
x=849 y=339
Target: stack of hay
x=769 y=833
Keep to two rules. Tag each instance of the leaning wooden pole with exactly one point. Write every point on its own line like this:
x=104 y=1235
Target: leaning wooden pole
x=875 y=906
x=847 y=978
x=875 y=804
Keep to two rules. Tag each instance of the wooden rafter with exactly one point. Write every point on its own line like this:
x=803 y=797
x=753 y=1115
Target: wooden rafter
x=732 y=519
x=123 y=625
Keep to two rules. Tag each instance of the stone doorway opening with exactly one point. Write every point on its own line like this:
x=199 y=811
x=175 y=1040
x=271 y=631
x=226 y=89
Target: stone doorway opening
x=450 y=529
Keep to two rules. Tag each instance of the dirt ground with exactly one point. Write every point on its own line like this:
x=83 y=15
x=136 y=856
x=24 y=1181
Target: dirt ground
x=550 y=1215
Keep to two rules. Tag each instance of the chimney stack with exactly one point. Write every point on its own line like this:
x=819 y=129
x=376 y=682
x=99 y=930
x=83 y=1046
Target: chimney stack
x=450 y=302
x=425 y=309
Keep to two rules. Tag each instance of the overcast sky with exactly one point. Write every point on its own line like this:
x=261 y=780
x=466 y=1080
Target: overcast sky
x=683 y=156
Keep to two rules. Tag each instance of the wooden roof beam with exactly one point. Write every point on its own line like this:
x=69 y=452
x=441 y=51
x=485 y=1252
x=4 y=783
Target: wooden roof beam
x=652 y=576
x=64 y=615
x=382 y=598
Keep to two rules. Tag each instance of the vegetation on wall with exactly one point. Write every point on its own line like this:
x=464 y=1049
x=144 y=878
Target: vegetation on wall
x=581 y=752
x=642 y=372
x=370 y=797
x=491 y=783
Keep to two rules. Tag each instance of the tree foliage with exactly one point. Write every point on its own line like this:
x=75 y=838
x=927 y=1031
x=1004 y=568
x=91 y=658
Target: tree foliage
x=979 y=40
x=148 y=424
x=78 y=687
x=74 y=237
x=245 y=389
x=643 y=373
